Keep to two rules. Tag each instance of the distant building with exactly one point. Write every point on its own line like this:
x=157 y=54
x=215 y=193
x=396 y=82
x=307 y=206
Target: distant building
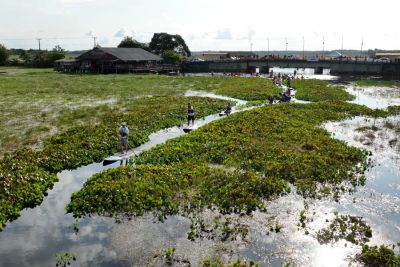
x=242 y=55
x=393 y=56
x=114 y=60
x=225 y=55
x=210 y=56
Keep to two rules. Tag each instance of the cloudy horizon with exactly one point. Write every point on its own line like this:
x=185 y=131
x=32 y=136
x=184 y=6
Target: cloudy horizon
x=205 y=25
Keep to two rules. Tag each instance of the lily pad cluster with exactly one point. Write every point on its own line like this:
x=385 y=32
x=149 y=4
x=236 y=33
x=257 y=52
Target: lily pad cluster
x=374 y=256
x=351 y=228
x=25 y=175
x=220 y=263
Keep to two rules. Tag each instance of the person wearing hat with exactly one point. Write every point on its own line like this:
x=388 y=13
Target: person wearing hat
x=123 y=132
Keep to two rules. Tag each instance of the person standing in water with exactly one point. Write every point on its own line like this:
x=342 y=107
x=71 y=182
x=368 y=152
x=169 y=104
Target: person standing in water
x=190 y=112
x=228 y=109
x=123 y=132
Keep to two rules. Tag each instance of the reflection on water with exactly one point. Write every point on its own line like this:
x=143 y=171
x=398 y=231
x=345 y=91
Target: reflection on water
x=375 y=97
x=39 y=233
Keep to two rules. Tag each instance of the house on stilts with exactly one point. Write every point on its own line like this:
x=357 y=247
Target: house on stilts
x=115 y=60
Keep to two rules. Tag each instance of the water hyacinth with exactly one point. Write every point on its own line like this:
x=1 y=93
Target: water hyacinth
x=25 y=175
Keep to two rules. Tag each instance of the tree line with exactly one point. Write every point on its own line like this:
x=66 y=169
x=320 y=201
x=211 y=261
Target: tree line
x=171 y=47
x=31 y=57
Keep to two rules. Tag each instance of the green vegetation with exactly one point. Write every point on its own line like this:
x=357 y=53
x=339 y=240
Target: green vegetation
x=63 y=259
x=378 y=257
x=4 y=54
x=394 y=110
x=318 y=90
x=25 y=174
x=172 y=189
x=288 y=145
x=129 y=42
x=162 y=42
x=367 y=128
x=220 y=263
x=365 y=83
x=38 y=103
x=220 y=228
x=171 y=57
x=233 y=165
x=35 y=58
x=350 y=228
x=169 y=255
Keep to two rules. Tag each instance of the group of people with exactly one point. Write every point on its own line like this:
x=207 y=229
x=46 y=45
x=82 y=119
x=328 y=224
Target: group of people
x=279 y=79
x=123 y=130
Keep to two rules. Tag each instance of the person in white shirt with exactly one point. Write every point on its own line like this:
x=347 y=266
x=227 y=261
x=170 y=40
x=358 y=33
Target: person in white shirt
x=123 y=132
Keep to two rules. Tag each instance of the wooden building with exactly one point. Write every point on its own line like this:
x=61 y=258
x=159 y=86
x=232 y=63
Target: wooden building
x=115 y=60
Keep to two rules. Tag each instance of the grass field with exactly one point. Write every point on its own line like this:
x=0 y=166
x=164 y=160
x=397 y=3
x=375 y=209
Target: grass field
x=37 y=103
x=365 y=83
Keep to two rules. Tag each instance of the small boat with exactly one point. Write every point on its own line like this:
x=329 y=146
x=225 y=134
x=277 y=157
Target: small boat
x=187 y=129
x=224 y=113
x=115 y=158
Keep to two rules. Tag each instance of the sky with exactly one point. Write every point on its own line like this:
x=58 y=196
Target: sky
x=204 y=24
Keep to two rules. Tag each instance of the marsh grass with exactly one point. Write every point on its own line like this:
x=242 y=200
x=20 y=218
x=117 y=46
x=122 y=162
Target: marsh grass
x=366 y=83
x=37 y=103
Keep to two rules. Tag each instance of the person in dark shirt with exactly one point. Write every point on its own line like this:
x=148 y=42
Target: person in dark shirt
x=228 y=109
x=190 y=113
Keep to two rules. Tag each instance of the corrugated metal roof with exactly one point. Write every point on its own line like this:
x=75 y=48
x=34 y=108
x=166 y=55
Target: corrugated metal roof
x=387 y=54
x=131 y=54
x=67 y=60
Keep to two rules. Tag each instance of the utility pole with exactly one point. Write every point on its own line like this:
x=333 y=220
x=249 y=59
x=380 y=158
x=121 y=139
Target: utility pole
x=303 y=47
x=286 y=46
x=251 y=47
x=268 y=45
x=323 y=48
x=39 y=42
x=94 y=41
x=342 y=45
x=362 y=44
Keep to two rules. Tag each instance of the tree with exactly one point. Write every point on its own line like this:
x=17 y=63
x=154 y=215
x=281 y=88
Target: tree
x=4 y=54
x=171 y=57
x=129 y=42
x=163 y=41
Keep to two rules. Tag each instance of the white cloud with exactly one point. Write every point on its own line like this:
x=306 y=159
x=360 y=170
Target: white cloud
x=224 y=34
x=121 y=33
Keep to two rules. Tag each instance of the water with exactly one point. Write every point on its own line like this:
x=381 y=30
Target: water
x=374 y=97
x=38 y=233
x=307 y=73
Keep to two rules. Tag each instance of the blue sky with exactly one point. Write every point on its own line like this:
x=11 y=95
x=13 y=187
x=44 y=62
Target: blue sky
x=204 y=24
